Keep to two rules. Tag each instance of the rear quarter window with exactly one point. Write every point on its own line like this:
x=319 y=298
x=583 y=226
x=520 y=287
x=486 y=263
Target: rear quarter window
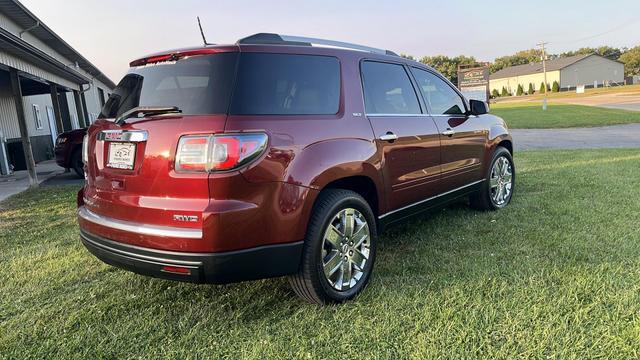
x=286 y=84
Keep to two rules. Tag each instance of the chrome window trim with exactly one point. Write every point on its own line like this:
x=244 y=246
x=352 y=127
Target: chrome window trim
x=396 y=115
x=152 y=230
x=429 y=199
x=125 y=135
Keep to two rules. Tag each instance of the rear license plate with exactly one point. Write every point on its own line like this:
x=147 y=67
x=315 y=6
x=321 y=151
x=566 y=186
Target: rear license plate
x=121 y=155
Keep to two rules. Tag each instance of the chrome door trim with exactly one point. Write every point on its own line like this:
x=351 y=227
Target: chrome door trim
x=143 y=229
x=123 y=135
x=429 y=199
x=397 y=115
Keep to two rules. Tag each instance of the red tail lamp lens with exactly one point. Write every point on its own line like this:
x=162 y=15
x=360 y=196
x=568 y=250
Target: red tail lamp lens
x=203 y=153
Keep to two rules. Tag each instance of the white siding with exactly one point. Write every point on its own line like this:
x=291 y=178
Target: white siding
x=42 y=101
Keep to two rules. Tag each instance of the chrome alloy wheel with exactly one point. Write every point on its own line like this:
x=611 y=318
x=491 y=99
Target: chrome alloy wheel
x=501 y=182
x=345 y=249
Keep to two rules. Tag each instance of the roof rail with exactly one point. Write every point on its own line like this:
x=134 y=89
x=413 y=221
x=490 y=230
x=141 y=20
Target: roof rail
x=276 y=39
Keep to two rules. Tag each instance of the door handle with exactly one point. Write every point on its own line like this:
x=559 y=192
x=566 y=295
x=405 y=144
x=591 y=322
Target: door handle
x=448 y=132
x=389 y=136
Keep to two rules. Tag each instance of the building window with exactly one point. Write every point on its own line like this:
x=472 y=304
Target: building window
x=37 y=117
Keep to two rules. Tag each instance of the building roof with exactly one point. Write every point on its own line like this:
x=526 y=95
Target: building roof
x=18 y=13
x=536 y=68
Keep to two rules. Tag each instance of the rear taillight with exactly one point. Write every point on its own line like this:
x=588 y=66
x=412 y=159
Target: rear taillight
x=204 y=153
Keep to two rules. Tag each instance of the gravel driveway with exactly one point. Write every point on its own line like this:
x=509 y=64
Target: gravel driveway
x=615 y=136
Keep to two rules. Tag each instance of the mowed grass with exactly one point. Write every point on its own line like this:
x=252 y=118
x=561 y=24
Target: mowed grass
x=531 y=116
x=555 y=275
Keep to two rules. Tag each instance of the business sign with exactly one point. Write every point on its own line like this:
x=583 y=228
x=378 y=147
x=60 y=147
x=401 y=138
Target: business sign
x=474 y=82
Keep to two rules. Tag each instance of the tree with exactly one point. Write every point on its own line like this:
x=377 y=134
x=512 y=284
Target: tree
x=543 y=89
x=504 y=92
x=555 y=87
x=448 y=66
x=606 y=51
x=519 y=58
x=494 y=93
x=531 y=90
x=520 y=90
x=410 y=57
x=631 y=61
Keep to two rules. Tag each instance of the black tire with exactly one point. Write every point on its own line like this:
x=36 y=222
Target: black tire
x=310 y=283
x=483 y=199
x=76 y=162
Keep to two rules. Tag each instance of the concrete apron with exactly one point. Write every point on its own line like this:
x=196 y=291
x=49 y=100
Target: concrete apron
x=19 y=180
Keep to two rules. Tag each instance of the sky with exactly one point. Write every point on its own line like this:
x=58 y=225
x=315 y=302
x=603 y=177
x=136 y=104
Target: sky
x=112 y=33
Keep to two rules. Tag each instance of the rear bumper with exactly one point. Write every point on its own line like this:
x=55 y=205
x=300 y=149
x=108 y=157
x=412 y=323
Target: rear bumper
x=216 y=268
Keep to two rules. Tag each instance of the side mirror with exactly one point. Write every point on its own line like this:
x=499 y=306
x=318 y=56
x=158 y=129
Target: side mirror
x=478 y=107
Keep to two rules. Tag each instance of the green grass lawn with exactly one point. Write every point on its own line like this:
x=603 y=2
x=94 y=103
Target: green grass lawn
x=557 y=274
x=531 y=116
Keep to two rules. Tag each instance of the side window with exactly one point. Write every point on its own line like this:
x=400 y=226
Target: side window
x=387 y=89
x=439 y=96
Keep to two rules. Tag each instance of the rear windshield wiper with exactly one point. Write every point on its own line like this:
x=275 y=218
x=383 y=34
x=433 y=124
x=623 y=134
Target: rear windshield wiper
x=146 y=110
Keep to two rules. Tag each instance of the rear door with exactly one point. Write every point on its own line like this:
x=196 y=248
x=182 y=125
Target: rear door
x=463 y=139
x=406 y=137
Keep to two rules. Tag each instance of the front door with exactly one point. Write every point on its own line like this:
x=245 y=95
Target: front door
x=462 y=136
x=406 y=137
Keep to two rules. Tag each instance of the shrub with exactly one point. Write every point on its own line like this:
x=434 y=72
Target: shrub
x=542 y=88
x=555 y=87
x=520 y=90
x=495 y=93
x=504 y=92
x=531 y=90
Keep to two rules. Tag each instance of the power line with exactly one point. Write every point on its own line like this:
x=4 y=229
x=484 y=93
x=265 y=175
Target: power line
x=632 y=21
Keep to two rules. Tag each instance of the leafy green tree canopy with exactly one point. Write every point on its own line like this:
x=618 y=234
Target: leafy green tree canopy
x=631 y=60
x=448 y=66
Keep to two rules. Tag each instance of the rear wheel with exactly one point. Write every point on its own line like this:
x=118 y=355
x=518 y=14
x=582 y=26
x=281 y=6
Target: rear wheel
x=497 y=190
x=76 y=162
x=339 y=249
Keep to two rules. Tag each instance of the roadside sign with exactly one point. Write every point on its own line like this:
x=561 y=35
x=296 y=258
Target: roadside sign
x=473 y=82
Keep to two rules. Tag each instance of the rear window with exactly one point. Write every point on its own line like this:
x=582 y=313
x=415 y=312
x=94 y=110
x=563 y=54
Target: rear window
x=196 y=85
x=284 y=84
x=266 y=84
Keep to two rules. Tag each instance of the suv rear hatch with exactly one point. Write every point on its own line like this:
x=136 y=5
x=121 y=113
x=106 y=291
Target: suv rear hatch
x=131 y=173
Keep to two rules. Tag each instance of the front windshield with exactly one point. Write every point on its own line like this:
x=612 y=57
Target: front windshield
x=196 y=85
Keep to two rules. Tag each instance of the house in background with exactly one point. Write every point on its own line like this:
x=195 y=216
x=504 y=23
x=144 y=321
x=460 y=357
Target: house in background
x=588 y=70
x=46 y=87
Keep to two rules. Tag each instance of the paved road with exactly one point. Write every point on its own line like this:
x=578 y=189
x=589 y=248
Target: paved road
x=616 y=136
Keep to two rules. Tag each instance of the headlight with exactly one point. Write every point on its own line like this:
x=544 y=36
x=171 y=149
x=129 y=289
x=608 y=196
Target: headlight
x=85 y=149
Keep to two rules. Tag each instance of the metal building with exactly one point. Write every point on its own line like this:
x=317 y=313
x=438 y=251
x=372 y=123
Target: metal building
x=569 y=72
x=46 y=87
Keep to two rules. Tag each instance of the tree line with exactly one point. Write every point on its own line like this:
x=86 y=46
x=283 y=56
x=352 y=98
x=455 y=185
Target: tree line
x=448 y=66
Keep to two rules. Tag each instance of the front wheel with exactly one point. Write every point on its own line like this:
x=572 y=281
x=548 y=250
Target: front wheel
x=339 y=250
x=497 y=190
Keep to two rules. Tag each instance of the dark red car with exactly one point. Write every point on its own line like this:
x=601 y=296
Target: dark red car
x=68 y=150
x=280 y=156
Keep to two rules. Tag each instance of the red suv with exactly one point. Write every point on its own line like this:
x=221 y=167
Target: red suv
x=280 y=156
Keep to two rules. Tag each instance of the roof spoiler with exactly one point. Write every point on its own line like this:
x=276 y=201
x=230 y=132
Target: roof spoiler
x=276 y=39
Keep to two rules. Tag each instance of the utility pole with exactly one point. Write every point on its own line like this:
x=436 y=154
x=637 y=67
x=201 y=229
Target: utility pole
x=544 y=70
